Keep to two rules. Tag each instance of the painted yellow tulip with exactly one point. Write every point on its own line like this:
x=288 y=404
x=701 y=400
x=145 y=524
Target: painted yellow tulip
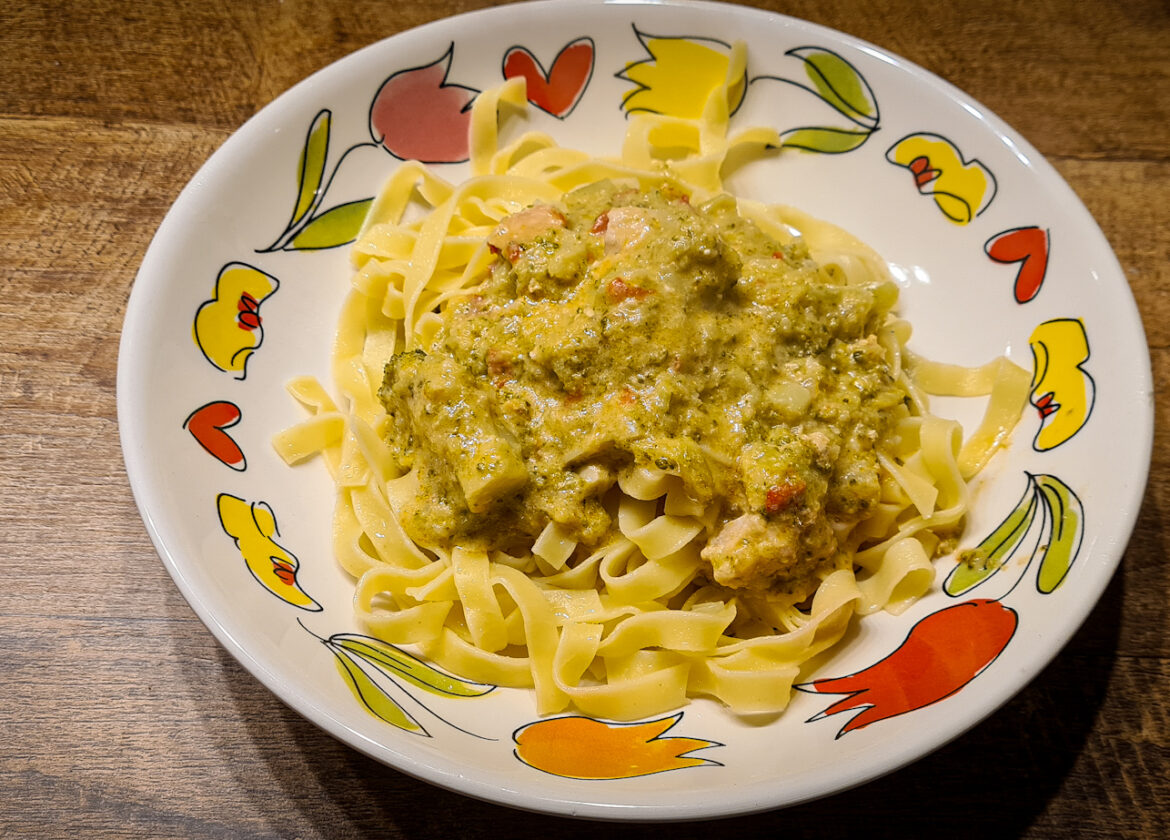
x=680 y=75
x=584 y=748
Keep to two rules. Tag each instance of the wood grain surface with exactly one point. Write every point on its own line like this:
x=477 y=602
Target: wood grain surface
x=120 y=716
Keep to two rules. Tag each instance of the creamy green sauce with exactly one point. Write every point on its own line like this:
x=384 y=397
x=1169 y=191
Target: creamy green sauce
x=628 y=329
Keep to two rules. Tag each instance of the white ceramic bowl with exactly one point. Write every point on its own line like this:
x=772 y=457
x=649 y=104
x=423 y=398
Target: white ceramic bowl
x=936 y=183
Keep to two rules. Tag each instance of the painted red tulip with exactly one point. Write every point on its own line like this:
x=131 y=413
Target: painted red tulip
x=943 y=652
x=417 y=115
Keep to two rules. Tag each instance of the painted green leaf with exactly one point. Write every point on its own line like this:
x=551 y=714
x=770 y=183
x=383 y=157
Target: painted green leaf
x=981 y=562
x=373 y=697
x=1067 y=517
x=311 y=167
x=335 y=227
x=397 y=663
x=829 y=141
x=839 y=84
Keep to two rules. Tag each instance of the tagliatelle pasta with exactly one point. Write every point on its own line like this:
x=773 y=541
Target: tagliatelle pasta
x=645 y=602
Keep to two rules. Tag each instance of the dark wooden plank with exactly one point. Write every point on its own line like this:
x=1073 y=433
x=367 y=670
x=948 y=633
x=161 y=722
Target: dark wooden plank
x=1090 y=79
x=1127 y=199
x=211 y=64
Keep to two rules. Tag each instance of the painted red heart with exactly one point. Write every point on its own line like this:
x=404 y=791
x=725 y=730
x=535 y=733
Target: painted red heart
x=207 y=423
x=417 y=115
x=1027 y=246
x=558 y=90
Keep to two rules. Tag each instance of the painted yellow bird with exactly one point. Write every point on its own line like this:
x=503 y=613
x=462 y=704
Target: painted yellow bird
x=252 y=526
x=962 y=189
x=227 y=327
x=1062 y=391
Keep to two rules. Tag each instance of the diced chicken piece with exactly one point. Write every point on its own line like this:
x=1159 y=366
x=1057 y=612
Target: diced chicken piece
x=826 y=452
x=625 y=227
x=523 y=227
x=819 y=440
x=749 y=550
x=595 y=479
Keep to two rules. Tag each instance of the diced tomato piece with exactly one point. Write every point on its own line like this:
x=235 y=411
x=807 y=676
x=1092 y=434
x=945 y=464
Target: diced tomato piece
x=780 y=496
x=618 y=290
x=498 y=363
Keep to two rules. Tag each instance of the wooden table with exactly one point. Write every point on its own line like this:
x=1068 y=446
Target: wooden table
x=121 y=716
